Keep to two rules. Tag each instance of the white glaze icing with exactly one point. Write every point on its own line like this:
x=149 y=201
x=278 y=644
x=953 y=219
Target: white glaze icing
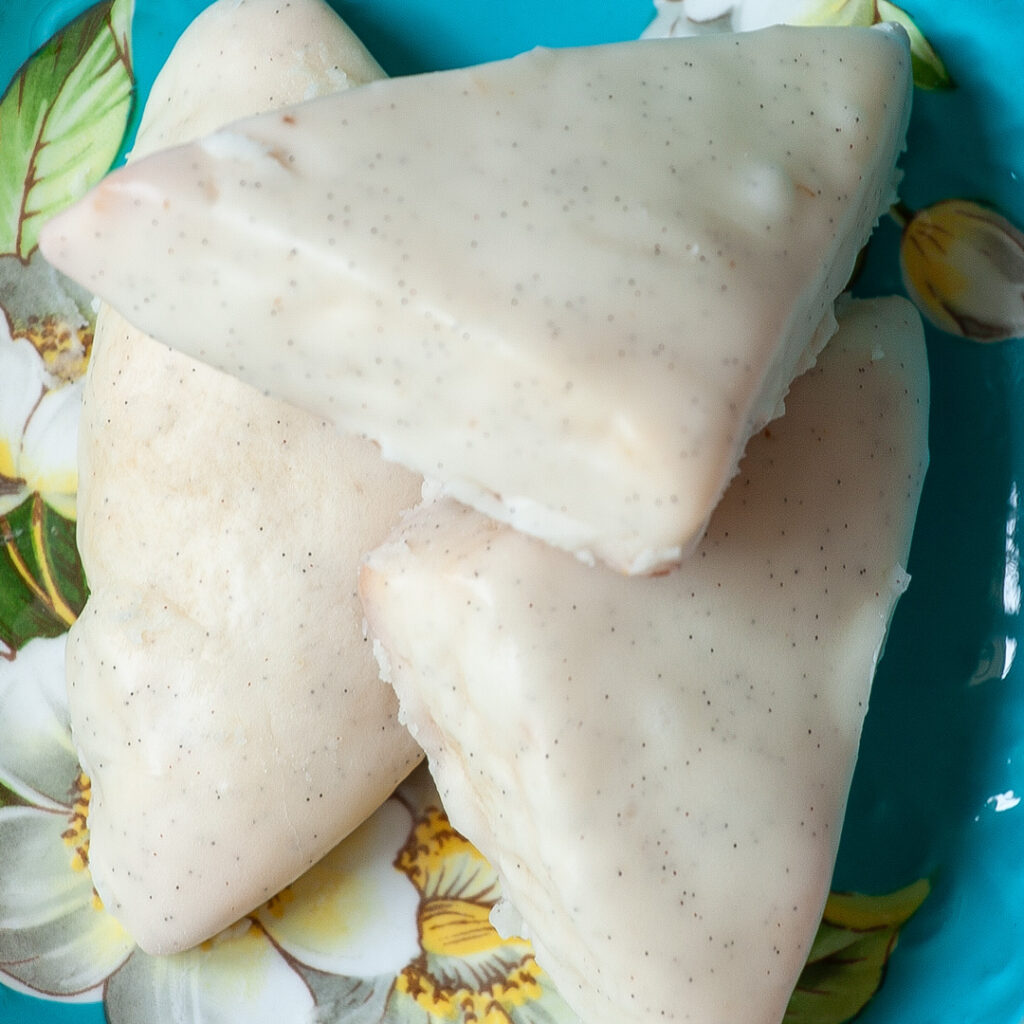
x=223 y=698
x=659 y=767
x=568 y=285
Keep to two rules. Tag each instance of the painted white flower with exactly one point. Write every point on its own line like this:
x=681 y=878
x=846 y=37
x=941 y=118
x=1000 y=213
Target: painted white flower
x=38 y=428
x=354 y=914
x=696 y=17
x=689 y=18
x=54 y=936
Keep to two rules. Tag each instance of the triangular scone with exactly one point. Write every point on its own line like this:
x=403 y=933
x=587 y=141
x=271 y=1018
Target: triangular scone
x=568 y=285
x=223 y=699
x=658 y=767
x=242 y=57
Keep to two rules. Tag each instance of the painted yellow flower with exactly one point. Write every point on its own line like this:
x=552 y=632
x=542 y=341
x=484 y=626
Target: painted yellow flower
x=64 y=349
x=963 y=265
x=367 y=935
x=51 y=311
x=465 y=973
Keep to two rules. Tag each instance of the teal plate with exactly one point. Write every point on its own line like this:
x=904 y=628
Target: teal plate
x=936 y=803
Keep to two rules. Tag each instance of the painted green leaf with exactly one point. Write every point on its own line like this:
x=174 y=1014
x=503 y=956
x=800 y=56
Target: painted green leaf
x=8 y=798
x=847 y=961
x=929 y=71
x=62 y=119
x=42 y=583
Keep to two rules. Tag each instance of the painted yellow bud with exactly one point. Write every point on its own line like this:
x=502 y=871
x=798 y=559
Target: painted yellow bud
x=963 y=265
x=841 y=12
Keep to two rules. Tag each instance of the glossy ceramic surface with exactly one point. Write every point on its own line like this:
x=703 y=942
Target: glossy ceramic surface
x=937 y=793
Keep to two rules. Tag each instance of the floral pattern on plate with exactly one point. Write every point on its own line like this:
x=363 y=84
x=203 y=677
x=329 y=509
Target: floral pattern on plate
x=394 y=924
x=962 y=262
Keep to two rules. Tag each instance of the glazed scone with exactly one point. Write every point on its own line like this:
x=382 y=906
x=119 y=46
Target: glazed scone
x=223 y=700
x=568 y=286
x=658 y=768
x=241 y=57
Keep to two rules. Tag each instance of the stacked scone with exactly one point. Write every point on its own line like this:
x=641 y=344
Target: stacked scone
x=567 y=289
x=224 y=701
